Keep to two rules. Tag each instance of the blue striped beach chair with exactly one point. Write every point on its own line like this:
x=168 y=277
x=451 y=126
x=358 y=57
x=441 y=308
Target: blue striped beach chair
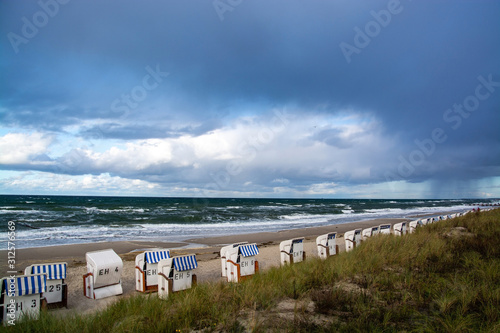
x=104 y=272
x=292 y=251
x=241 y=263
x=176 y=274
x=223 y=257
x=146 y=269
x=22 y=296
x=57 y=290
x=327 y=245
x=352 y=239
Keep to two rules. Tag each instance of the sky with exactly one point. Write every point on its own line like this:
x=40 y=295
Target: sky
x=239 y=98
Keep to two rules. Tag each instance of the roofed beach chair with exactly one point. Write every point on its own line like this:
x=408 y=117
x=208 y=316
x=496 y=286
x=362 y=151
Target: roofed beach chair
x=104 y=271
x=175 y=274
x=223 y=256
x=146 y=269
x=292 y=251
x=327 y=245
x=352 y=239
x=368 y=232
x=56 y=294
x=384 y=229
x=413 y=225
x=22 y=296
x=241 y=263
x=400 y=228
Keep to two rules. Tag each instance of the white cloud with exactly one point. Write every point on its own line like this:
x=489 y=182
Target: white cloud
x=21 y=148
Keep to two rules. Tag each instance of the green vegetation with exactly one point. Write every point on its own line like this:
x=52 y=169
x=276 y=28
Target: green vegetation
x=443 y=278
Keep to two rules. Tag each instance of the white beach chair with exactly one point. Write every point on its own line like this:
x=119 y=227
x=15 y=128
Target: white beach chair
x=22 y=296
x=352 y=239
x=292 y=251
x=146 y=269
x=57 y=291
x=241 y=263
x=104 y=271
x=384 y=229
x=175 y=274
x=327 y=245
x=413 y=225
x=369 y=232
x=400 y=228
x=223 y=256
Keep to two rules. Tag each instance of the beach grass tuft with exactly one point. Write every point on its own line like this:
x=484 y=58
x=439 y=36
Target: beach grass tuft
x=445 y=277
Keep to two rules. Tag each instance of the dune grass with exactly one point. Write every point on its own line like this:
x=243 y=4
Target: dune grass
x=443 y=278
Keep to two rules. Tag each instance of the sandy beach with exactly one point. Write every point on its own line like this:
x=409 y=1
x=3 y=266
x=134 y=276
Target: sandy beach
x=207 y=252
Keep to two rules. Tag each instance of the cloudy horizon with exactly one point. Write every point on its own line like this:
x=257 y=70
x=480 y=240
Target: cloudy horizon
x=289 y=99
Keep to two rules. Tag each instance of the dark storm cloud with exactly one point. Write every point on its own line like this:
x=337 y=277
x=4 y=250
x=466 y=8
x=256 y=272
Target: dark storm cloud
x=424 y=58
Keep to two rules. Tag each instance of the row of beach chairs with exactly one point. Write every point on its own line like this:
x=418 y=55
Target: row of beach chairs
x=43 y=285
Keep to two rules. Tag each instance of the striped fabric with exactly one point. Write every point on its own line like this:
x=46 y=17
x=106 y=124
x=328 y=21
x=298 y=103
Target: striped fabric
x=152 y=257
x=25 y=285
x=53 y=271
x=297 y=241
x=332 y=236
x=385 y=226
x=248 y=250
x=185 y=263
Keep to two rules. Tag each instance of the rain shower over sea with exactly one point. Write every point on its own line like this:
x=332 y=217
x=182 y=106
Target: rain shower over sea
x=58 y=220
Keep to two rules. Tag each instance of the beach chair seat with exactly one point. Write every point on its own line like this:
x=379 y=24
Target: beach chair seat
x=400 y=228
x=327 y=245
x=103 y=278
x=56 y=294
x=384 y=229
x=352 y=239
x=146 y=269
x=369 y=232
x=176 y=274
x=22 y=296
x=292 y=251
x=241 y=263
x=223 y=256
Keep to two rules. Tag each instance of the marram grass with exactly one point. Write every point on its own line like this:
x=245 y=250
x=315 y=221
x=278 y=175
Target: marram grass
x=445 y=277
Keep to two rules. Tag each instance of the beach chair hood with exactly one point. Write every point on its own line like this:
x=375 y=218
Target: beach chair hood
x=152 y=257
x=53 y=271
x=248 y=250
x=185 y=263
x=25 y=285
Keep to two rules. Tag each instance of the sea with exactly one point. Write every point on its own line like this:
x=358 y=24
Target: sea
x=57 y=220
